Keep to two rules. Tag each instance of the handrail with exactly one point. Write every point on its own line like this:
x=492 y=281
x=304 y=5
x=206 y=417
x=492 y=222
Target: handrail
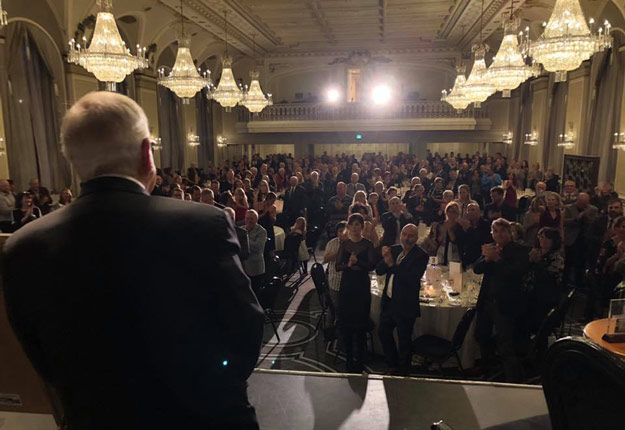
x=358 y=111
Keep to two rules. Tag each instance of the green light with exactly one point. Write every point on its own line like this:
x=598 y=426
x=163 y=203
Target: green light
x=359 y=136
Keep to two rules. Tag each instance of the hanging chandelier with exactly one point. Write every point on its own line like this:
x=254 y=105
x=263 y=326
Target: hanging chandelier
x=184 y=79
x=508 y=69
x=4 y=20
x=107 y=57
x=253 y=98
x=227 y=93
x=478 y=88
x=456 y=97
x=567 y=40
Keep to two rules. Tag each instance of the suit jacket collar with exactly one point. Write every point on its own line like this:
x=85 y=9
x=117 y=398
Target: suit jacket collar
x=111 y=183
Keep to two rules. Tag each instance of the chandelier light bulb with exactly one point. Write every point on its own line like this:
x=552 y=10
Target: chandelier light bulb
x=567 y=40
x=107 y=56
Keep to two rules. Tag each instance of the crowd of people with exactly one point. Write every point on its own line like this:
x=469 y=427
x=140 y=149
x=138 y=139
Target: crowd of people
x=532 y=237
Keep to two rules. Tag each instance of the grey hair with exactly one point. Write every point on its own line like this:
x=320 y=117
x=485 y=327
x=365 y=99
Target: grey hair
x=102 y=134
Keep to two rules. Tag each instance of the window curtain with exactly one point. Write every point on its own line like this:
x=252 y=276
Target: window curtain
x=171 y=129
x=524 y=122
x=204 y=117
x=33 y=129
x=606 y=74
x=552 y=153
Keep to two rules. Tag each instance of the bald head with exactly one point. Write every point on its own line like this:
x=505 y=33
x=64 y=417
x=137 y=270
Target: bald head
x=409 y=236
x=107 y=133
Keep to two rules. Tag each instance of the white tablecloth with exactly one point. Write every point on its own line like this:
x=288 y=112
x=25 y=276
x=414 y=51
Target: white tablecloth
x=280 y=236
x=438 y=318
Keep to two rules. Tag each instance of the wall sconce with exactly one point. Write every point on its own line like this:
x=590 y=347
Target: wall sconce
x=193 y=139
x=157 y=143
x=3 y=149
x=567 y=140
x=619 y=141
x=531 y=139
x=507 y=138
x=222 y=141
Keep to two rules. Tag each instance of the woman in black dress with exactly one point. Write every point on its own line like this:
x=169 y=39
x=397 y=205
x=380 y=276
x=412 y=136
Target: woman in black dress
x=356 y=258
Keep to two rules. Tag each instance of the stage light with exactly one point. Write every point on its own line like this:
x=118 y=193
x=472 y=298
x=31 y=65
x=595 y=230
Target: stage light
x=381 y=94
x=333 y=95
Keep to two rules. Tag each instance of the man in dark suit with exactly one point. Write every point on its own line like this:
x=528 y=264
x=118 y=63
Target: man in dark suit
x=579 y=218
x=502 y=303
x=498 y=208
x=294 y=201
x=126 y=343
x=404 y=266
x=394 y=221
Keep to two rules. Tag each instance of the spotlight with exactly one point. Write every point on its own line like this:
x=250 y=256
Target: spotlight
x=225 y=363
x=381 y=95
x=333 y=95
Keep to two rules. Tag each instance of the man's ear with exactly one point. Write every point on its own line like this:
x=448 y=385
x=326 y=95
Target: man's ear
x=147 y=170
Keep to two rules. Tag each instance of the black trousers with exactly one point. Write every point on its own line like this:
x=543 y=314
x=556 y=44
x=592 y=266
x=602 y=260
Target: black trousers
x=358 y=337
x=405 y=326
x=506 y=335
x=575 y=264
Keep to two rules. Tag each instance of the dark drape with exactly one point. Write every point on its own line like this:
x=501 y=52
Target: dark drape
x=171 y=129
x=33 y=142
x=204 y=117
x=556 y=124
x=524 y=123
x=607 y=71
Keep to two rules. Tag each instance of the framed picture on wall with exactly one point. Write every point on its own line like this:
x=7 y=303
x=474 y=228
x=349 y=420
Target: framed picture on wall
x=584 y=170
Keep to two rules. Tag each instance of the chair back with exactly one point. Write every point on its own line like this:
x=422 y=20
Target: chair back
x=547 y=326
x=462 y=328
x=320 y=280
x=584 y=386
x=565 y=304
x=291 y=252
x=268 y=292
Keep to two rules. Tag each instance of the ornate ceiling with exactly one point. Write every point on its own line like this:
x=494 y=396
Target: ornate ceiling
x=314 y=27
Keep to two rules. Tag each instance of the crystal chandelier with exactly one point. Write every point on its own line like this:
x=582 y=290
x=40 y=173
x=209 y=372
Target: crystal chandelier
x=3 y=16
x=253 y=98
x=107 y=56
x=478 y=88
x=619 y=141
x=456 y=97
x=507 y=138
x=184 y=79
x=193 y=139
x=227 y=93
x=531 y=139
x=567 y=40
x=508 y=69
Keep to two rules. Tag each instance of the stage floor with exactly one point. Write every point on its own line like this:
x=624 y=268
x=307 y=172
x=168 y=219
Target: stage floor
x=302 y=400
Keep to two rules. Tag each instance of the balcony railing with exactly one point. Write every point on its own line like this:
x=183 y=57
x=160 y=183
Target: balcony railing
x=358 y=111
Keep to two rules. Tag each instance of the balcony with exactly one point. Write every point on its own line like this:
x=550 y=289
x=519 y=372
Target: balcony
x=315 y=117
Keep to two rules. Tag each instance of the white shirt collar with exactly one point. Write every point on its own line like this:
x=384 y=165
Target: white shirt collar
x=130 y=178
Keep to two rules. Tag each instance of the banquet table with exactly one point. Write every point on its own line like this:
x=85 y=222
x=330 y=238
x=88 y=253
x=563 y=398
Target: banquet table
x=439 y=316
x=596 y=329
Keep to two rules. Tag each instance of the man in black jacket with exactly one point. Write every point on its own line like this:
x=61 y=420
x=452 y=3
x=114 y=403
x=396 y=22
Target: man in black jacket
x=126 y=343
x=394 y=221
x=404 y=266
x=502 y=303
x=294 y=201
